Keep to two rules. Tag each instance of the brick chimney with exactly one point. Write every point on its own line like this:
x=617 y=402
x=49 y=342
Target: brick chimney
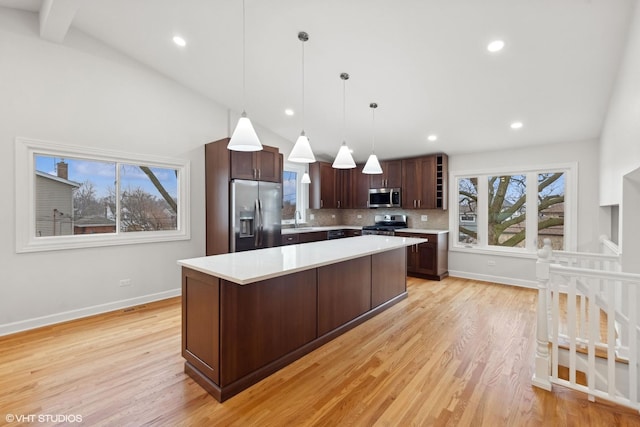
x=63 y=169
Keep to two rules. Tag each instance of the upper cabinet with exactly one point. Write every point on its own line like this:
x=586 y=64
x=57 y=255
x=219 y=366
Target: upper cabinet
x=424 y=182
x=391 y=176
x=322 y=190
x=264 y=165
x=359 y=188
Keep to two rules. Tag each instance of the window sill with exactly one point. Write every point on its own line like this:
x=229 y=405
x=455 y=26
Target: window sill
x=494 y=252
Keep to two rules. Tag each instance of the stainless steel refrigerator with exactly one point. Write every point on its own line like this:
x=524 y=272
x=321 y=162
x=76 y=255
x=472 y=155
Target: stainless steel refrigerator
x=256 y=213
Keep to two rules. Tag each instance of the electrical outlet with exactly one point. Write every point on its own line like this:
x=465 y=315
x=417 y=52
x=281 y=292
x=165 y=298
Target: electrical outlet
x=125 y=282
x=423 y=218
x=358 y=216
x=333 y=216
x=491 y=263
x=312 y=217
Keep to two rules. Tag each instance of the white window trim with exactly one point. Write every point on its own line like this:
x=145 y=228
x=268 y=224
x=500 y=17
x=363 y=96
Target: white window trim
x=302 y=192
x=26 y=240
x=571 y=208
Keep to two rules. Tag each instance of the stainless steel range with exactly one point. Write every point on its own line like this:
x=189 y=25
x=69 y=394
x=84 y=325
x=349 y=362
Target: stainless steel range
x=385 y=225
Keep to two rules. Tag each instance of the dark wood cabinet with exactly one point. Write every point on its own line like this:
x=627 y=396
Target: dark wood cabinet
x=429 y=259
x=353 y=233
x=234 y=335
x=322 y=190
x=221 y=166
x=290 y=239
x=388 y=276
x=264 y=165
x=344 y=293
x=391 y=176
x=359 y=188
x=263 y=321
x=424 y=182
x=442 y=177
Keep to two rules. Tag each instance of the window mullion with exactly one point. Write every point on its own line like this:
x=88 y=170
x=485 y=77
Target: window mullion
x=532 y=211
x=117 y=196
x=483 y=210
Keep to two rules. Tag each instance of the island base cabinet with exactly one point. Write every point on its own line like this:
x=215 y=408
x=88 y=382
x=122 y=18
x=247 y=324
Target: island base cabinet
x=200 y=322
x=344 y=293
x=235 y=335
x=264 y=321
x=388 y=276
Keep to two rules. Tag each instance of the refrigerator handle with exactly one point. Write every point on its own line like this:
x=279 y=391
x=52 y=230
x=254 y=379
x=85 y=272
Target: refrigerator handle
x=261 y=221
x=256 y=223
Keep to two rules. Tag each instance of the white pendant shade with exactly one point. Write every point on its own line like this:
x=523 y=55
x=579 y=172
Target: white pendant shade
x=244 y=137
x=301 y=152
x=344 y=160
x=306 y=179
x=372 y=166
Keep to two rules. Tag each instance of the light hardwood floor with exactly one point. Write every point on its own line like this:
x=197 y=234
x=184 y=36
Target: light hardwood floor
x=456 y=352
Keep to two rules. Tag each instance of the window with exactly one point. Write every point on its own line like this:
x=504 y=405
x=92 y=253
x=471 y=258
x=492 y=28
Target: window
x=515 y=211
x=468 y=210
x=507 y=208
x=81 y=197
x=294 y=194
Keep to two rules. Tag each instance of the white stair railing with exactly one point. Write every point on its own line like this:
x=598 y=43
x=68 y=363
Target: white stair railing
x=572 y=303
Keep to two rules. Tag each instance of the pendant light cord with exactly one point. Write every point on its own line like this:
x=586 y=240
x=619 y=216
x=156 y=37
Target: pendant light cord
x=243 y=57
x=373 y=106
x=344 y=110
x=303 y=115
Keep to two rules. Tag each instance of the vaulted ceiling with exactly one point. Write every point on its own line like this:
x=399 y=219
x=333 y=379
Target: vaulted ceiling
x=424 y=62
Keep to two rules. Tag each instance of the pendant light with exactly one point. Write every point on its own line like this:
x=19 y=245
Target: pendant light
x=373 y=165
x=306 y=179
x=301 y=152
x=244 y=137
x=344 y=160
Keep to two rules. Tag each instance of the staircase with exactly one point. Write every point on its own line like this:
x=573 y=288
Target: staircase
x=588 y=333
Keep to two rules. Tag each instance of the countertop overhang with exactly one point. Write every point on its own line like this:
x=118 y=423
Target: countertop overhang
x=261 y=264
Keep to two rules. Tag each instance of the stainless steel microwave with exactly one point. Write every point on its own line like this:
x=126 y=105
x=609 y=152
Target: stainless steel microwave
x=384 y=198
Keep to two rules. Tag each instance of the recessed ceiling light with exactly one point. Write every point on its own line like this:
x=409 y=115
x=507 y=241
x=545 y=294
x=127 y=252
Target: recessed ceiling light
x=179 y=41
x=495 y=46
x=432 y=138
x=289 y=112
x=516 y=125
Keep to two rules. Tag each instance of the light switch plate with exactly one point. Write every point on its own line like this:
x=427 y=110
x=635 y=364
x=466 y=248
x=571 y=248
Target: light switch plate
x=423 y=218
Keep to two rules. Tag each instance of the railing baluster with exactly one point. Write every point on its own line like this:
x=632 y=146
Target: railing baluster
x=571 y=328
x=594 y=334
x=611 y=339
x=632 y=330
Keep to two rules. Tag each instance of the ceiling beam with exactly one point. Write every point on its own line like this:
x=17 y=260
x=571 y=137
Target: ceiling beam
x=56 y=17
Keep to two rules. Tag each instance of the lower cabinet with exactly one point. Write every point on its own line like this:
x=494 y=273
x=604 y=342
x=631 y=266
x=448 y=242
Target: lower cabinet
x=430 y=259
x=235 y=335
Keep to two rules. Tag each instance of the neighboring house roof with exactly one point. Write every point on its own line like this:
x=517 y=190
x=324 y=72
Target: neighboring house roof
x=58 y=179
x=93 y=221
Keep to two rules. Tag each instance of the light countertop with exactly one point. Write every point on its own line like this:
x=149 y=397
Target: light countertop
x=261 y=264
x=421 y=231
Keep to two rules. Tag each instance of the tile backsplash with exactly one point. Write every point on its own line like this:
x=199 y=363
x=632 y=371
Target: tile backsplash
x=436 y=218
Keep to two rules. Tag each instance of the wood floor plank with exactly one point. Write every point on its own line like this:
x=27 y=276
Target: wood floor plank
x=455 y=352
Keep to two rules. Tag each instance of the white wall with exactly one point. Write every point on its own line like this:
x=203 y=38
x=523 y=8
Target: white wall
x=519 y=270
x=84 y=93
x=620 y=140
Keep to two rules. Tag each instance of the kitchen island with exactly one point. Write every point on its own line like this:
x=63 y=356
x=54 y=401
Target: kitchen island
x=247 y=314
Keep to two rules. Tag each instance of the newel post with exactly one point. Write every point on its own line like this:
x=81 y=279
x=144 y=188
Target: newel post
x=542 y=369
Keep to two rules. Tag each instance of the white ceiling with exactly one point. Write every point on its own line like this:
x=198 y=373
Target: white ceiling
x=423 y=61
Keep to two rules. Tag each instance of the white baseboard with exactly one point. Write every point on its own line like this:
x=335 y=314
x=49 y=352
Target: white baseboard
x=24 y=325
x=532 y=284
